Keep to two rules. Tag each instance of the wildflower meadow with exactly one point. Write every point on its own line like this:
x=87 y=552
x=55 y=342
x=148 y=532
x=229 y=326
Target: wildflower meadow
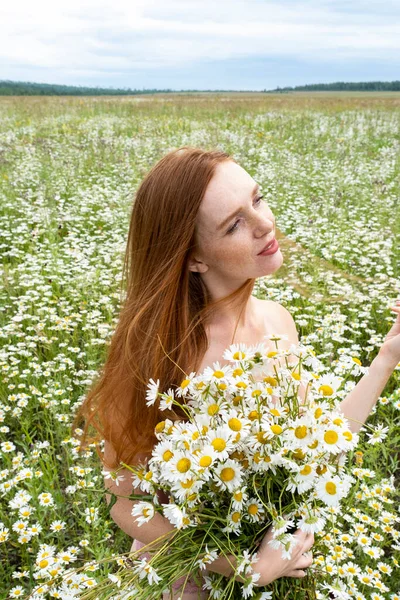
x=328 y=165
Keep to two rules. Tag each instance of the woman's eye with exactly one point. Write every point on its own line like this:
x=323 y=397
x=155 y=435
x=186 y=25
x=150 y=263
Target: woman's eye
x=234 y=226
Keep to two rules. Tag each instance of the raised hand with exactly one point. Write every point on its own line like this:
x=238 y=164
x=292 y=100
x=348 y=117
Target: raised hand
x=390 y=348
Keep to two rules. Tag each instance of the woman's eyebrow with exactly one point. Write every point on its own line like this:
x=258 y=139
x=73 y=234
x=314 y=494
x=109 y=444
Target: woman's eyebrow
x=226 y=221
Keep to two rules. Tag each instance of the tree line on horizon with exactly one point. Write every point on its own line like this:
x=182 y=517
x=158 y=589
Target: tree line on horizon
x=361 y=86
x=25 y=88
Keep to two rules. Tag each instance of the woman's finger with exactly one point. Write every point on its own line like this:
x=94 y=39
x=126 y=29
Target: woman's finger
x=296 y=573
x=305 y=561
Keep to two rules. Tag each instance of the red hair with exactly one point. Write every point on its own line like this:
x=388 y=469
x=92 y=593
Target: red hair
x=162 y=317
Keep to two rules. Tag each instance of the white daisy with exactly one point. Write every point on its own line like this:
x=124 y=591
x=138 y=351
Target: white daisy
x=239 y=497
x=181 y=466
x=312 y=522
x=188 y=489
x=234 y=523
x=186 y=385
x=167 y=399
x=208 y=557
x=331 y=489
x=216 y=373
x=143 y=511
x=330 y=438
x=221 y=439
x=144 y=569
x=228 y=475
x=238 y=424
x=237 y=352
x=152 y=392
x=176 y=515
x=299 y=432
x=378 y=434
x=327 y=385
x=254 y=511
x=162 y=453
x=204 y=459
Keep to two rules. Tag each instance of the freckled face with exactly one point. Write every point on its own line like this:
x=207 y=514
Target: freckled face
x=227 y=246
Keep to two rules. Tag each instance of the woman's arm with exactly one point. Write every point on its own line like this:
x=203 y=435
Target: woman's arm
x=358 y=404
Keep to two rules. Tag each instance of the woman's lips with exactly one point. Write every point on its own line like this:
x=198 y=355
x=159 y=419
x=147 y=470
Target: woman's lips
x=271 y=249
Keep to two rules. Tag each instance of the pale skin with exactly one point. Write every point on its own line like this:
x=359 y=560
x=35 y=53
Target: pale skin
x=225 y=261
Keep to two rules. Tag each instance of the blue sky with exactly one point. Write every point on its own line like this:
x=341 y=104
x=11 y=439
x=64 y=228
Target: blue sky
x=192 y=44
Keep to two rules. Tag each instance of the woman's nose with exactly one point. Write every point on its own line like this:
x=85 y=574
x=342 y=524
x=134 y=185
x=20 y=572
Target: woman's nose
x=265 y=224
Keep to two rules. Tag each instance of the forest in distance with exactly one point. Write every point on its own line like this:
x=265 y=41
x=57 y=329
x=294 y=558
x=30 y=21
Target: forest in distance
x=26 y=88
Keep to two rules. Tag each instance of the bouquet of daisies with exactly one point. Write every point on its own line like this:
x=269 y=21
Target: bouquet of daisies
x=251 y=455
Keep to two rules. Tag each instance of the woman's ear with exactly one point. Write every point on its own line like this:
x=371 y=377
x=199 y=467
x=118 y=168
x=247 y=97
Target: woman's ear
x=197 y=265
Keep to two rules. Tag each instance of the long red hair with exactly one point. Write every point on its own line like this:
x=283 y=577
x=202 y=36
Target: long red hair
x=160 y=332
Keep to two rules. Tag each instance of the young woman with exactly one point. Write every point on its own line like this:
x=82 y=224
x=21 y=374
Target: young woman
x=200 y=235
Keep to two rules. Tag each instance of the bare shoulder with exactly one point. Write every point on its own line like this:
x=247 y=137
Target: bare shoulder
x=280 y=317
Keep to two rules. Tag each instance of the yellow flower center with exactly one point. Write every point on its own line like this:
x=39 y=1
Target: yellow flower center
x=321 y=469
x=271 y=354
x=148 y=475
x=296 y=376
x=227 y=474
x=43 y=563
x=236 y=400
x=185 y=383
x=253 y=415
x=218 y=374
x=183 y=465
x=318 y=412
x=356 y=360
x=205 y=461
x=241 y=384
x=160 y=427
x=306 y=470
x=330 y=488
x=299 y=454
x=235 y=424
x=218 y=444
x=257 y=457
x=252 y=509
x=213 y=409
x=222 y=386
x=348 y=435
x=271 y=380
x=238 y=496
x=325 y=390
x=239 y=355
x=236 y=517
x=331 y=437
x=276 y=429
x=167 y=455
x=338 y=422
x=300 y=432
x=187 y=484
x=262 y=437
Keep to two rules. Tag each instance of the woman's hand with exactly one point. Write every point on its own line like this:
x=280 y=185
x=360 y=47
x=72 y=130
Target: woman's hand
x=390 y=348
x=272 y=566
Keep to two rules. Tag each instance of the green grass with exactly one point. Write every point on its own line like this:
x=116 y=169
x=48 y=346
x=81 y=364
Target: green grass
x=329 y=166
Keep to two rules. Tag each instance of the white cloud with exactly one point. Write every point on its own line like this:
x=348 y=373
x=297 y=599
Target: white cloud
x=89 y=36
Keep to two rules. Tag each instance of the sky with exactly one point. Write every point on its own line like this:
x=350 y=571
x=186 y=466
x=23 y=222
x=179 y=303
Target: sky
x=199 y=44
